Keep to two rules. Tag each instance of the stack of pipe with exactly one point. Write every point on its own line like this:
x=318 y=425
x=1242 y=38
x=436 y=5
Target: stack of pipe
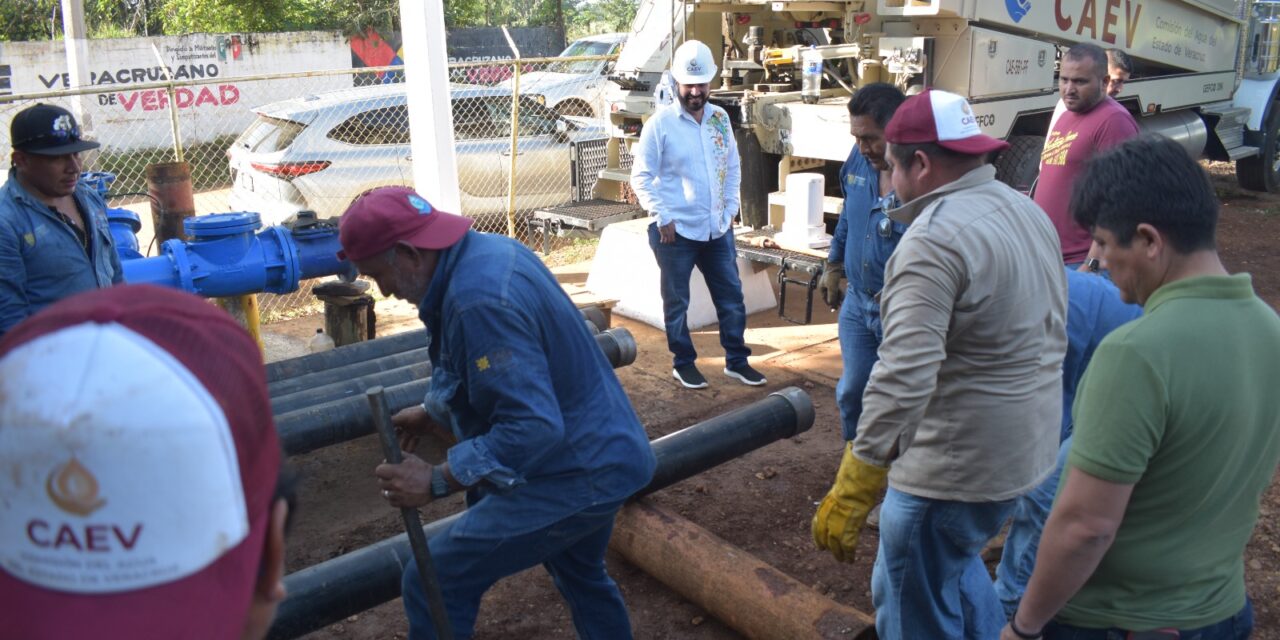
x=317 y=398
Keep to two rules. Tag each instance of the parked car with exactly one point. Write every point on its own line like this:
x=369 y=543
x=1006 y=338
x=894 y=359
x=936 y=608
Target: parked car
x=576 y=88
x=319 y=152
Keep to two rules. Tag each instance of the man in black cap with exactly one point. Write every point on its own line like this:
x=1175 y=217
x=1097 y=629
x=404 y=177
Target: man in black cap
x=54 y=239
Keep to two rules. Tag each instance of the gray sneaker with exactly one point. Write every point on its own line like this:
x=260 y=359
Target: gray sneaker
x=746 y=375
x=689 y=376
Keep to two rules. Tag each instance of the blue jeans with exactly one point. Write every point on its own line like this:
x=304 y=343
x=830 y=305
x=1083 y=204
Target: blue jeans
x=1237 y=627
x=929 y=580
x=572 y=550
x=718 y=261
x=1020 y=545
x=860 y=335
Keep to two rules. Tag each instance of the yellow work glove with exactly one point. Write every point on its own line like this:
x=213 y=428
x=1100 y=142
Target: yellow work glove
x=829 y=287
x=843 y=512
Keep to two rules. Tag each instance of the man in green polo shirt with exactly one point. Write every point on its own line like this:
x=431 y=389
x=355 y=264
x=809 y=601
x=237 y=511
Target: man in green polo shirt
x=1177 y=423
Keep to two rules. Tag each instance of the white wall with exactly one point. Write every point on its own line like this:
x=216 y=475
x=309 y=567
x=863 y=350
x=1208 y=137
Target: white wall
x=126 y=118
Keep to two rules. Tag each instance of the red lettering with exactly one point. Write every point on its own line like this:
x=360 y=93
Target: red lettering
x=229 y=93
x=31 y=532
x=149 y=101
x=184 y=97
x=95 y=537
x=1064 y=21
x=205 y=97
x=1109 y=20
x=128 y=542
x=128 y=100
x=1089 y=18
x=66 y=536
x=1132 y=25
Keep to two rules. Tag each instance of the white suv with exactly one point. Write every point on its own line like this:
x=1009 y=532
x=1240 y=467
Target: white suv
x=319 y=152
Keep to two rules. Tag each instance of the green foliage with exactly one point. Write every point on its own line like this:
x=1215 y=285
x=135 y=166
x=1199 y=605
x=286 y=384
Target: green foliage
x=29 y=20
x=208 y=160
x=42 y=19
x=589 y=17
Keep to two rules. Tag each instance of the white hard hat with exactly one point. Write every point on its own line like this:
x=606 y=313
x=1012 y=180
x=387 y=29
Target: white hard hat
x=693 y=64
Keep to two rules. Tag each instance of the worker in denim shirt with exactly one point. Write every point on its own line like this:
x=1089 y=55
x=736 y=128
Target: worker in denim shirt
x=864 y=239
x=54 y=239
x=548 y=446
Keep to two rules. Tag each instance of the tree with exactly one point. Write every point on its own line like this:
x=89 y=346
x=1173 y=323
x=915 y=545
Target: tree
x=29 y=20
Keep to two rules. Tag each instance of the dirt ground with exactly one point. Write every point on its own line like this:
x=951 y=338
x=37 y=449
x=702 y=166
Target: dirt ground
x=767 y=515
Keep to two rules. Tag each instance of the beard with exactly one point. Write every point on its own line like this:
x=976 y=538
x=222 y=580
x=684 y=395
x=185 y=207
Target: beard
x=692 y=102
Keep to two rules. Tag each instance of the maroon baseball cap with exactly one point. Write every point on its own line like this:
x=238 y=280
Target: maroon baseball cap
x=381 y=217
x=141 y=464
x=941 y=117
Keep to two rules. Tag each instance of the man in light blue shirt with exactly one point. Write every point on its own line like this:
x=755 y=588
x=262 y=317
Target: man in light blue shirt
x=686 y=175
x=54 y=239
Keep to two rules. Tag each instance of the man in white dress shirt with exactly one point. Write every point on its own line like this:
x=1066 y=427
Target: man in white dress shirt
x=686 y=175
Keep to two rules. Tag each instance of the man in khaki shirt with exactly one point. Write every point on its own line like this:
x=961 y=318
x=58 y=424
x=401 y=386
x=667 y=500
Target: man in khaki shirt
x=966 y=400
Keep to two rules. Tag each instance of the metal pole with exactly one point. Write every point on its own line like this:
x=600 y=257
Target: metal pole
x=332 y=590
x=515 y=152
x=412 y=524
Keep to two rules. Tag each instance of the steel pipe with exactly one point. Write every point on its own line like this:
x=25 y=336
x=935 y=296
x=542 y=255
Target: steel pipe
x=377 y=348
x=349 y=354
x=327 y=424
x=328 y=592
x=361 y=369
x=350 y=387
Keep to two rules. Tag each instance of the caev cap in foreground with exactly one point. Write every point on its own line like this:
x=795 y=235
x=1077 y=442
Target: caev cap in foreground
x=140 y=465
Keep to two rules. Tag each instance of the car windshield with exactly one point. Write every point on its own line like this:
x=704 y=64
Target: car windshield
x=490 y=117
x=582 y=48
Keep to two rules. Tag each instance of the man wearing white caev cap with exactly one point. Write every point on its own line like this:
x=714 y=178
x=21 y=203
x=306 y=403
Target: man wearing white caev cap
x=966 y=400
x=686 y=175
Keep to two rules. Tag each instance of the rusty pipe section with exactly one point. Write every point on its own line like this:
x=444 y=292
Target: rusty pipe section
x=739 y=589
x=173 y=199
x=322 y=425
x=325 y=593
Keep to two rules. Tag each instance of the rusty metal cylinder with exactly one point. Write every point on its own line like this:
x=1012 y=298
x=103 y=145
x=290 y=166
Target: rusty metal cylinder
x=744 y=592
x=173 y=199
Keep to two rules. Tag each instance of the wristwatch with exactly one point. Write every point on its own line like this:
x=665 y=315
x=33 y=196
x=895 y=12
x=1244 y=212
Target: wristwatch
x=1092 y=264
x=439 y=485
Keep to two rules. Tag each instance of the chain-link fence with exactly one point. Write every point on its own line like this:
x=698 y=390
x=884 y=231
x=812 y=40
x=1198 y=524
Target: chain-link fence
x=280 y=144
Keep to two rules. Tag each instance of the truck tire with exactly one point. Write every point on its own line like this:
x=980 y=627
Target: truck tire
x=1019 y=165
x=1262 y=172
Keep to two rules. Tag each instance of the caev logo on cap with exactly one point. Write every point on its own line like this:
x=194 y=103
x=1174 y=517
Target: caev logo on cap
x=693 y=66
x=421 y=205
x=73 y=489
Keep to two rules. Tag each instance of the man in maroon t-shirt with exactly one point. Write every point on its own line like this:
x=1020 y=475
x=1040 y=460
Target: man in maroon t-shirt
x=1093 y=122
